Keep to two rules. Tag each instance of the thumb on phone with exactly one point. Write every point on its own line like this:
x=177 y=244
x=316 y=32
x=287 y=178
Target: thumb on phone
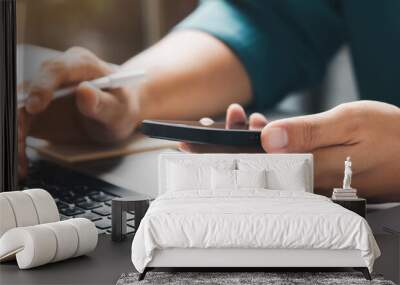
x=306 y=133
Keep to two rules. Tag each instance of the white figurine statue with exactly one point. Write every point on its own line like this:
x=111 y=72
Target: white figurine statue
x=347 y=192
x=347 y=174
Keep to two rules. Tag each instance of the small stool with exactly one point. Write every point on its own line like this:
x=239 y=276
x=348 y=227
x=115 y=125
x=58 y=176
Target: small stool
x=357 y=206
x=119 y=207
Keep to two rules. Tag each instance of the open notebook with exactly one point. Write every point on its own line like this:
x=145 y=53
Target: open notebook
x=79 y=153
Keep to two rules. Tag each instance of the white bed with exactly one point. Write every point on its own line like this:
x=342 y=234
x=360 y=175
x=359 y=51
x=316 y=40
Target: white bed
x=195 y=224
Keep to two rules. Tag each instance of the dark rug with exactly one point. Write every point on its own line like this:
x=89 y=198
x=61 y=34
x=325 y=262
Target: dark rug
x=229 y=278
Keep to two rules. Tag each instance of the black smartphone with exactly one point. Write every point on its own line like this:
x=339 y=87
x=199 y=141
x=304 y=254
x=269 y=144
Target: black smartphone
x=201 y=133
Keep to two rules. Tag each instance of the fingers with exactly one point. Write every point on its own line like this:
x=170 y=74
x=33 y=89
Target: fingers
x=257 y=121
x=235 y=114
x=96 y=104
x=75 y=65
x=306 y=133
x=49 y=77
x=110 y=117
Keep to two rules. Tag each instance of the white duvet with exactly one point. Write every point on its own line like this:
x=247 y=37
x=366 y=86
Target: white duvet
x=250 y=219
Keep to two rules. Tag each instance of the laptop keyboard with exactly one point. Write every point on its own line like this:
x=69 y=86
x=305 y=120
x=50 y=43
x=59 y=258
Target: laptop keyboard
x=76 y=195
x=84 y=204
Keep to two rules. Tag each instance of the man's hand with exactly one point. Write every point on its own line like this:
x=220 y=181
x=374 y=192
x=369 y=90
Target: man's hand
x=368 y=131
x=106 y=116
x=235 y=114
x=88 y=115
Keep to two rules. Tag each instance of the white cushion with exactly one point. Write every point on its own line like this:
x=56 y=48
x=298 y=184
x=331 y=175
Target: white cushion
x=289 y=174
x=87 y=235
x=41 y=244
x=223 y=179
x=23 y=208
x=231 y=180
x=186 y=175
x=45 y=205
x=7 y=217
x=285 y=171
x=251 y=178
x=26 y=208
x=66 y=237
x=277 y=180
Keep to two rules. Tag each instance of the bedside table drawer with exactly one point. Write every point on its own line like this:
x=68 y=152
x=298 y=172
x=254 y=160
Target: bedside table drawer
x=357 y=206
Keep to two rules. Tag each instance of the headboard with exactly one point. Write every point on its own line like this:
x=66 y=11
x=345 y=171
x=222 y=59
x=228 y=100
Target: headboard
x=281 y=163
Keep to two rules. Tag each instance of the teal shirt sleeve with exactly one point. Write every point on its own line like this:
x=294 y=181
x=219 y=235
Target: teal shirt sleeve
x=373 y=35
x=283 y=45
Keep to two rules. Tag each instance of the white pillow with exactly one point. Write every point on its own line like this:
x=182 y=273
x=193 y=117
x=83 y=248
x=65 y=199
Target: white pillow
x=288 y=174
x=183 y=177
x=251 y=178
x=227 y=179
x=223 y=179
x=297 y=181
x=193 y=174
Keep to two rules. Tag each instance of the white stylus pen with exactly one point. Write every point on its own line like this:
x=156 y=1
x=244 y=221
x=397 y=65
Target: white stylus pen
x=111 y=81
